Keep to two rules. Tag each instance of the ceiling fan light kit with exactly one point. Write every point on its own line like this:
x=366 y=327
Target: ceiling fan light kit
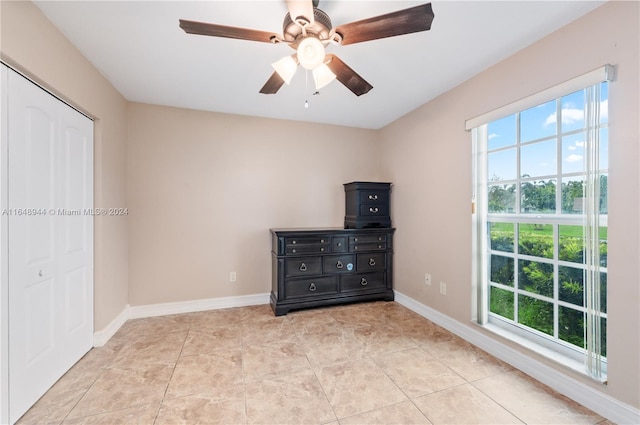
x=322 y=76
x=286 y=68
x=310 y=53
x=311 y=31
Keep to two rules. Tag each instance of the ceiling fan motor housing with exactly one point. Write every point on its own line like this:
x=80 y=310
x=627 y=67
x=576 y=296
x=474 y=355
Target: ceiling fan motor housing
x=320 y=28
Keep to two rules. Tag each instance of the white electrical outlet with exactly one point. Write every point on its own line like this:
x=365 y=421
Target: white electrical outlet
x=427 y=279
x=443 y=288
x=232 y=276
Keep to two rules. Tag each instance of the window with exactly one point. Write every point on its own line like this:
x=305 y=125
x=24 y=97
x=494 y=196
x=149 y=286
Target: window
x=541 y=223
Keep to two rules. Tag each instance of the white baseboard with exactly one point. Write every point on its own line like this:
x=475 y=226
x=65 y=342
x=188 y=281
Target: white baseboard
x=601 y=403
x=165 y=309
x=101 y=337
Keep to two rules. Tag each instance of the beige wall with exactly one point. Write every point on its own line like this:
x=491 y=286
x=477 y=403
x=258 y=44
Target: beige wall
x=205 y=188
x=427 y=154
x=30 y=43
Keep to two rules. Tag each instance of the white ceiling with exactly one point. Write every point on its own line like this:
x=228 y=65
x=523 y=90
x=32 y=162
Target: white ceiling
x=140 y=49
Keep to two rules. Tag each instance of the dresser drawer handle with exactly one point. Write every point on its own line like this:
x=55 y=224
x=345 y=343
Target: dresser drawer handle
x=363 y=282
x=303 y=267
x=312 y=287
x=373 y=197
x=373 y=209
x=372 y=262
x=339 y=265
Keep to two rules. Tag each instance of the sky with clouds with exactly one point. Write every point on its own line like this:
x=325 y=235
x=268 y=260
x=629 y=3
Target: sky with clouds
x=539 y=159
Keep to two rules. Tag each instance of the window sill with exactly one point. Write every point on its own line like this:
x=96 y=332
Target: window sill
x=555 y=356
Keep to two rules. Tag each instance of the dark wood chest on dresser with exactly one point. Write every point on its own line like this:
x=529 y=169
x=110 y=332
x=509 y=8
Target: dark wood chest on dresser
x=318 y=267
x=367 y=205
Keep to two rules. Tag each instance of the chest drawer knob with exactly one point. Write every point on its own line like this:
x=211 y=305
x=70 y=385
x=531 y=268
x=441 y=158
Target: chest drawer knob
x=321 y=249
x=312 y=287
x=339 y=265
x=363 y=282
x=372 y=262
x=373 y=209
x=303 y=267
x=373 y=197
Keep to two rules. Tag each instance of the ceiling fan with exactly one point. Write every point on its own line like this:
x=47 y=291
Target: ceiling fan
x=308 y=30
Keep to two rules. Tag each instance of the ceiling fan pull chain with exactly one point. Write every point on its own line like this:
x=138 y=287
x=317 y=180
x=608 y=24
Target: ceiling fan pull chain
x=306 y=87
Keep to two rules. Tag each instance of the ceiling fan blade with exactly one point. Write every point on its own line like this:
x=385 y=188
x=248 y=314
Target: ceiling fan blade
x=203 y=28
x=414 y=19
x=273 y=84
x=300 y=9
x=347 y=76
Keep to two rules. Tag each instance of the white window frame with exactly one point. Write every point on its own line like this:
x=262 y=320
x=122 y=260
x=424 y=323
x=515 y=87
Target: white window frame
x=551 y=347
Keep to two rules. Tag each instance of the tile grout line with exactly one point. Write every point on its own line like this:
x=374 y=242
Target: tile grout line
x=494 y=400
x=175 y=365
x=324 y=391
x=400 y=388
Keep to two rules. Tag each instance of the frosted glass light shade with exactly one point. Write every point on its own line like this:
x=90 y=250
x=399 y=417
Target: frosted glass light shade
x=310 y=53
x=286 y=68
x=322 y=76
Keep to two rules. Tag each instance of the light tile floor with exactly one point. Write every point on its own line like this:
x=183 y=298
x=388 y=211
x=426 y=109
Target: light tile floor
x=374 y=363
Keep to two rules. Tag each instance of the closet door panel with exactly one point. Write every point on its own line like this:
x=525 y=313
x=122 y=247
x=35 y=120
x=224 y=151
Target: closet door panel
x=33 y=277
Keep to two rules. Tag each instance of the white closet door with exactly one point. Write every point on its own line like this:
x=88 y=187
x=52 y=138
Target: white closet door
x=50 y=240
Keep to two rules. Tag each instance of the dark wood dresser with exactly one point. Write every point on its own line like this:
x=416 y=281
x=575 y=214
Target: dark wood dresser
x=318 y=267
x=367 y=205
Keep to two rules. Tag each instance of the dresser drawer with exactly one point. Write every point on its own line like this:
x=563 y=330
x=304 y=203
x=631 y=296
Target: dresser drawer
x=339 y=244
x=367 y=239
x=373 y=196
x=303 y=266
x=338 y=264
x=362 y=281
x=374 y=210
x=295 y=288
x=371 y=262
x=307 y=249
x=307 y=240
